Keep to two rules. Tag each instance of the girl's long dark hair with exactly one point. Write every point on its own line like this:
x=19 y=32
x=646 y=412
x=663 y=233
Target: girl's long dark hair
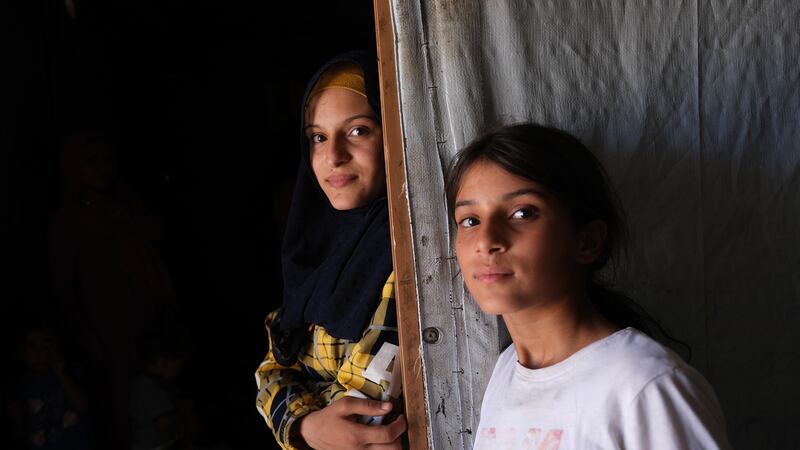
x=560 y=162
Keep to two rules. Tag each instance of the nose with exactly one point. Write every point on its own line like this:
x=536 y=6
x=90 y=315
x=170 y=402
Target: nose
x=337 y=152
x=492 y=237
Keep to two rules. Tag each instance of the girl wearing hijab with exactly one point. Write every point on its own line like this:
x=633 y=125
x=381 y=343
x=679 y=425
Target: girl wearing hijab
x=329 y=379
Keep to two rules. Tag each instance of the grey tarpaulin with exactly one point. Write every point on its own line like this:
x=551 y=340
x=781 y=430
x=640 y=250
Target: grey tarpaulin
x=694 y=107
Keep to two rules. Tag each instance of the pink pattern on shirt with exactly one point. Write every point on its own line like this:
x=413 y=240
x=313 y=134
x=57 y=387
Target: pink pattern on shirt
x=531 y=440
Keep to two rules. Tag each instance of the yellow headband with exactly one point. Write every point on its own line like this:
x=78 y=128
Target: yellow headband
x=345 y=75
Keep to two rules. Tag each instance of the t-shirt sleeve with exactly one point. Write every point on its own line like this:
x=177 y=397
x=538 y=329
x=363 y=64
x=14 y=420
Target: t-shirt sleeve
x=675 y=410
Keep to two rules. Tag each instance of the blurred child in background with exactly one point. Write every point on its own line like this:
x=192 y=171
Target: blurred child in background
x=159 y=415
x=47 y=404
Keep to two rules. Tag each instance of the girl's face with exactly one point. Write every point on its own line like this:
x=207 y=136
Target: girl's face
x=516 y=242
x=346 y=148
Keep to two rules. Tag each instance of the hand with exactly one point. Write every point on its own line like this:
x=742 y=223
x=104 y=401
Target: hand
x=335 y=426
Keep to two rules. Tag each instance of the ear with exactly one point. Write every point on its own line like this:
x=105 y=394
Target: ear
x=592 y=241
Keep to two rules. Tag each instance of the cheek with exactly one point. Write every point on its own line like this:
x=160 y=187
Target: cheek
x=318 y=167
x=466 y=263
x=372 y=163
x=460 y=259
x=376 y=156
x=564 y=248
x=462 y=250
x=551 y=262
x=316 y=163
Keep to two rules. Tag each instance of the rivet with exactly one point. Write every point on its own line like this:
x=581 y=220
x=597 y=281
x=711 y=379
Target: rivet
x=430 y=335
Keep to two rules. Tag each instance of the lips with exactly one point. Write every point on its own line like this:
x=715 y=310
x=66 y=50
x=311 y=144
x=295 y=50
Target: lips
x=493 y=275
x=339 y=181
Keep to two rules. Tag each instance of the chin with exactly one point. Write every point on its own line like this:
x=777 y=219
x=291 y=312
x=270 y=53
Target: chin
x=341 y=205
x=495 y=306
x=496 y=310
x=498 y=301
x=344 y=202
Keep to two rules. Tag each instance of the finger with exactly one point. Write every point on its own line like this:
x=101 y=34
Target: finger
x=350 y=405
x=396 y=445
x=398 y=425
x=382 y=434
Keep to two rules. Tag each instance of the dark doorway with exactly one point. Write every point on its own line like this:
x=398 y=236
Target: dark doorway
x=201 y=100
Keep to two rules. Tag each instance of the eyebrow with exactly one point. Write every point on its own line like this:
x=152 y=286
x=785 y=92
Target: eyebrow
x=524 y=191
x=348 y=120
x=508 y=196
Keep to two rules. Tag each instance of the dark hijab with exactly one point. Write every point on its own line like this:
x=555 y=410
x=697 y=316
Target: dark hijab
x=335 y=263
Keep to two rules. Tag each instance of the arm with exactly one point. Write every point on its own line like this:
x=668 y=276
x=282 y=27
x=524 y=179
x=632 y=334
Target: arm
x=677 y=409
x=367 y=384
x=282 y=396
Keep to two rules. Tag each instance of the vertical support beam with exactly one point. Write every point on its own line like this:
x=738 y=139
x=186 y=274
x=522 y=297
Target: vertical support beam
x=400 y=222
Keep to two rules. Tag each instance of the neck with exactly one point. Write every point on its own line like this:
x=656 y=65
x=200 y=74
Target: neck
x=550 y=332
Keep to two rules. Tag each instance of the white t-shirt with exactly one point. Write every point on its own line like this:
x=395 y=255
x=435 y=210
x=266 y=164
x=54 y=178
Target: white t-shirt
x=625 y=391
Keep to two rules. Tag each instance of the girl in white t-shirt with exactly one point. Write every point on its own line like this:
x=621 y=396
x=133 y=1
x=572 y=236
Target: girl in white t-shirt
x=537 y=218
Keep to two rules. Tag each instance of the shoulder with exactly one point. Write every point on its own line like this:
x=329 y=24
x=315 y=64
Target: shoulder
x=655 y=376
x=663 y=401
x=271 y=317
x=385 y=312
x=388 y=288
x=631 y=355
x=660 y=374
x=669 y=404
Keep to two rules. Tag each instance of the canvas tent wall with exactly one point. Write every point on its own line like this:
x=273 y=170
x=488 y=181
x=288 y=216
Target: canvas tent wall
x=694 y=108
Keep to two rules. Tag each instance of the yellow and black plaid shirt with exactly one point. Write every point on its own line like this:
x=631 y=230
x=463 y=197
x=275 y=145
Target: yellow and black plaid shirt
x=326 y=369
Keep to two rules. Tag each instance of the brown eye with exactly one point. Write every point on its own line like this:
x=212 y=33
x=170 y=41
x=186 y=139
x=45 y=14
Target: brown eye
x=468 y=222
x=524 y=213
x=316 y=138
x=359 y=131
